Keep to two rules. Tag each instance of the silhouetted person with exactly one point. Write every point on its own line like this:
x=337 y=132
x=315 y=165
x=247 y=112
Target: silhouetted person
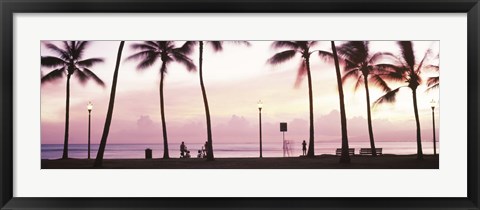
x=206 y=148
x=183 y=148
x=304 y=147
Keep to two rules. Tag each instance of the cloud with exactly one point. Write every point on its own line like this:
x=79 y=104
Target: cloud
x=145 y=122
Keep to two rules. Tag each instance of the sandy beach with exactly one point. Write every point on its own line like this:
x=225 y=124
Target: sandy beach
x=319 y=162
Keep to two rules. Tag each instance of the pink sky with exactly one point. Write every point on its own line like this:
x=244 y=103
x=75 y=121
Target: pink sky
x=235 y=80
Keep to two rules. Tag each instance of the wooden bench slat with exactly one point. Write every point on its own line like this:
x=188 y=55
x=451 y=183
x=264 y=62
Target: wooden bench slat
x=368 y=151
x=351 y=151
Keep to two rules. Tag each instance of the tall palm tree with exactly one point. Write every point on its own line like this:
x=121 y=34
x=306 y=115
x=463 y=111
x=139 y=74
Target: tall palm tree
x=362 y=66
x=345 y=158
x=148 y=53
x=111 y=103
x=304 y=49
x=68 y=61
x=217 y=46
x=407 y=71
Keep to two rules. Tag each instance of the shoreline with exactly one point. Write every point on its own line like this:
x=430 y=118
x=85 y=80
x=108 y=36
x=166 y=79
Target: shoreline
x=385 y=161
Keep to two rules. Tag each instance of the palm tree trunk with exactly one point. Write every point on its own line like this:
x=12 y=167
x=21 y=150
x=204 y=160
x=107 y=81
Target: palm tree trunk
x=311 y=146
x=210 y=155
x=67 y=116
x=369 y=117
x=111 y=103
x=345 y=158
x=162 y=112
x=417 y=121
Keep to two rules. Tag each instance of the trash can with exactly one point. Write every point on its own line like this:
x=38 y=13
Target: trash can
x=148 y=153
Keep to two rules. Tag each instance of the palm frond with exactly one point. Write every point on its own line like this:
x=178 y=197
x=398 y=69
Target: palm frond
x=67 y=47
x=51 y=61
x=142 y=55
x=216 y=45
x=325 y=55
x=302 y=71
x=53 y=75
x=361 y=49
x=147 y=61
x=352 y=73
x=286 y=44
x=163 y=45
x=61 y=52
x=186 y=61
x=304 y=45
x=435 y=68
x=142 y=46
x=81 y=76
x=381 y=55
x=359 y=82
x=354 y=51
x=154 y=44
x=349 y=65
x=406 y=47
x=366 y=45
x=420 y=65
x=281 y=57
x=80 y=49
x=187 y=47
x=431 y=81
x=393 y=77
x=93 y=76
x=246 y=43
x=169 y=44
x=379 y=82
x=388 y=68
x=389 y=97
x=89 y=62
x=434 y=86
x=311 y=44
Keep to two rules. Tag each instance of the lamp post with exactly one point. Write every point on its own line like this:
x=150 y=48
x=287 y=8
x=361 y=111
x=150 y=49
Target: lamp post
x=260 y=105
x=89 y=108
x=432 y=104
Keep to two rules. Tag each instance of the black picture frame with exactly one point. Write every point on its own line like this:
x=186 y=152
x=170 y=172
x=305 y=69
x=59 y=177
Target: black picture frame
x=10 y=7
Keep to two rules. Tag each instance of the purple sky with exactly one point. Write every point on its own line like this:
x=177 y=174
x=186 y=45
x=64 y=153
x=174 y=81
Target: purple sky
x=235 y=80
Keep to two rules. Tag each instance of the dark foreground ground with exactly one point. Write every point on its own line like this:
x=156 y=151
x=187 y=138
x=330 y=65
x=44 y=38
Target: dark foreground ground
x=319 y=162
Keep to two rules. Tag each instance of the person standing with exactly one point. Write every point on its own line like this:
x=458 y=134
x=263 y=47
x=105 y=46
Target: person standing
x=182 y=149
x=206 y=148
x=304 y=147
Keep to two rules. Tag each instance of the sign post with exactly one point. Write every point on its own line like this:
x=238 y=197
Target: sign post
x=283 y=129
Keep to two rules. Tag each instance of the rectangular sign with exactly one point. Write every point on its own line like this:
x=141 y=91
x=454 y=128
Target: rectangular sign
x=283 y=126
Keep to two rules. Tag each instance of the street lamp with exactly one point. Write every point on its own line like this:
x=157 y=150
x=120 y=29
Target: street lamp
x=89 y=108
x=432 y=104
x=260 y=106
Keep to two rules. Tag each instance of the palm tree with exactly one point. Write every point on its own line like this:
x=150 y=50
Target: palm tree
x=304 y=49
x=148 y=53
x=106 y=128
x=69 y=61
x=362 y=66
x=345 y=158
x=407 y=71
x=217 y=46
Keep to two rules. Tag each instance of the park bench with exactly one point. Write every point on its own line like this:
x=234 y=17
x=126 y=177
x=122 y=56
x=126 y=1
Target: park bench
x=368 y=151
x=351 y=151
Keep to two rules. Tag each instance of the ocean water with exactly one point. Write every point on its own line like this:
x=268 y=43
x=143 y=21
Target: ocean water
x=134 y=151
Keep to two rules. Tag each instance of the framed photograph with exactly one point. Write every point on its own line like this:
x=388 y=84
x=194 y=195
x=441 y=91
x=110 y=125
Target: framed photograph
x=239 y=105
